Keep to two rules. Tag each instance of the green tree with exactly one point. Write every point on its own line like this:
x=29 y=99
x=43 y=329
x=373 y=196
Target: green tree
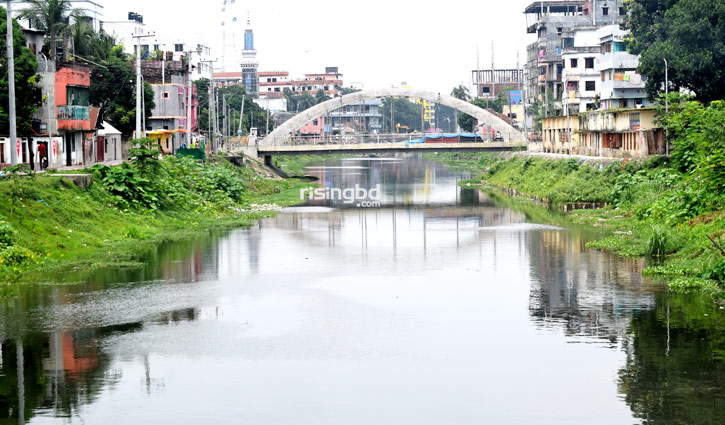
x=689 y=34
x=461 y=92
x=254 y=115
x=305 y=101
x=465 y=121
x=89 y=44
x=113 y=83
x=407 y=114
x=51 y=16
x=320 y=96
x=28 y=95
x=202 y=88
x=291 y=99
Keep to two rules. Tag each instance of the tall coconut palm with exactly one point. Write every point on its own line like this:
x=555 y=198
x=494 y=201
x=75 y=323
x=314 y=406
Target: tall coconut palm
x=460 y=92
x=51 y=16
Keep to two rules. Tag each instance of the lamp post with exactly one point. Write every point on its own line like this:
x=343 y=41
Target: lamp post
x=667 y=108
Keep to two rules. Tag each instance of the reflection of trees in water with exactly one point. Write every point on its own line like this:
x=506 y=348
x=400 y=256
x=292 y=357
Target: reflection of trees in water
x=675 y=369
x=582 y=291
x=63 y=371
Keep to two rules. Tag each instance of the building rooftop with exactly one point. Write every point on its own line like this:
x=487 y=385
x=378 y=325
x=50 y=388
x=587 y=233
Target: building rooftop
x=555 y=6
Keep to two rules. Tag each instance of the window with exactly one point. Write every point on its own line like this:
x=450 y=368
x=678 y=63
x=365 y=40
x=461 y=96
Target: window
x=621 y=11
x=607 y=47
x=589 y=63
x=568 y=42
x=314 y=122
x=589 y=86
x=276 y=89
x=605 y=11
x=269 y=88
x=620 y=47
x=77 y=96
x=573 y=63
x=559 y=30
x=165 y=95
x=558 y=69
x=157 y=47
x=486 y=90
x=178 y=47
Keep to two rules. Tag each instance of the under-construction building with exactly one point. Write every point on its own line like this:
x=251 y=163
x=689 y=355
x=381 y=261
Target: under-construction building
x=552 y=22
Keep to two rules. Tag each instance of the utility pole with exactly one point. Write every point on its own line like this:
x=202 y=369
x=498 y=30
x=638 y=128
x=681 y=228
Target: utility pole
x=209 y=108
x=241 y=115
x=224 y=118
x=188 y=106
x=667 y=108
x=139 y=86
x=266 y=130
x=14 y=142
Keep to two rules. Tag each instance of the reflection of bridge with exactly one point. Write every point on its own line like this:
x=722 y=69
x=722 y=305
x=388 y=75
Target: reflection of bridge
x=283 y=142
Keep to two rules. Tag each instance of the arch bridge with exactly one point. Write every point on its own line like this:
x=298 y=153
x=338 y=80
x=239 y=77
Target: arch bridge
x=281 y=141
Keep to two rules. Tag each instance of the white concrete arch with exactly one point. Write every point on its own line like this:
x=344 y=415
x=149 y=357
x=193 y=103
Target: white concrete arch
x=281 y=133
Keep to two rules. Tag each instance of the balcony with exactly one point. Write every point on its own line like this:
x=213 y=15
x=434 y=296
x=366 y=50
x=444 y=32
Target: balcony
x=72 y=117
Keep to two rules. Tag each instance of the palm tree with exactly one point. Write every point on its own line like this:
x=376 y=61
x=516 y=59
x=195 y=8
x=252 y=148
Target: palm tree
x=305 y=101
x=51 y=16
x=320 y=96
x=460 y=92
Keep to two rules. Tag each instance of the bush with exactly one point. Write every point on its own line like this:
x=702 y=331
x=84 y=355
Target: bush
x=8 y=235
x=660 y=243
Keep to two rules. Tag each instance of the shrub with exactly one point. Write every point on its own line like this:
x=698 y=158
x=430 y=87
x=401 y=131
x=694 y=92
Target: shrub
x=7 y=235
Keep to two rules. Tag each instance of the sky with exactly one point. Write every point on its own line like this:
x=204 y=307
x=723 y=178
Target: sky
x=375 y=43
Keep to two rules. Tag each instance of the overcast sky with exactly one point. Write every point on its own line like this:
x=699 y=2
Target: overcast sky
x=429 y=45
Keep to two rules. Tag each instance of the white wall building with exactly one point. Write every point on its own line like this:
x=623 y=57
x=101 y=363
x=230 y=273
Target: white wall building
x=173 y=48
x=597 y=67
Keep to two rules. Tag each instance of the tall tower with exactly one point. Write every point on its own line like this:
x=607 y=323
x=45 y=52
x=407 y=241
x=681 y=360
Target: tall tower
x=250 y=65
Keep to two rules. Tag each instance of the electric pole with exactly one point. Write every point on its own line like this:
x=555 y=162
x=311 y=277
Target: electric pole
x=209 y=108
x=139 y=86
x=188 y=106
x=14 y=142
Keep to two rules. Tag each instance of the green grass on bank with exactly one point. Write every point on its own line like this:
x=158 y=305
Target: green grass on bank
x=653 y=209
x=47 y=223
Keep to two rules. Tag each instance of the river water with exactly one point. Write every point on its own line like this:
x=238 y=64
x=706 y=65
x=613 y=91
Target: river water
x=441 y=305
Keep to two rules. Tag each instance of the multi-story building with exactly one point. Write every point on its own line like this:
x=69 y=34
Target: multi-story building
x=158 y=47
x=168 y=119
x=621 y=85
x=330 y=82
x=489 y=83
x=72 y=88
x=273 y=83
x=363 y=117
x=600 y=73
x=552 y=21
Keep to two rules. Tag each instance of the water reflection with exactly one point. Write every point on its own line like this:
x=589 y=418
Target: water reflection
x=443 y=300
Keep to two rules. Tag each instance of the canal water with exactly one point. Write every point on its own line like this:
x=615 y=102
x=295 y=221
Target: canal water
x=433 y=305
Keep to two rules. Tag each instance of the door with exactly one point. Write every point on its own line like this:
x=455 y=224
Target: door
x=101 y=148
x=69 y=142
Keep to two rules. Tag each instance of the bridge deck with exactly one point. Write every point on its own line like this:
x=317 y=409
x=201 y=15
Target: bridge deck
x=387 y=147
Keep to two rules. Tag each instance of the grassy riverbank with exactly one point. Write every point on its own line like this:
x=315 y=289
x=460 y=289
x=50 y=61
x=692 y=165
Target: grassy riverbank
x=652 y=209
x=48 y=223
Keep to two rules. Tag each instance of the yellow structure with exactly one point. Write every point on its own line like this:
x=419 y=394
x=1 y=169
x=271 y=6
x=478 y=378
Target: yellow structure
x=557 y=132
x=617 y=133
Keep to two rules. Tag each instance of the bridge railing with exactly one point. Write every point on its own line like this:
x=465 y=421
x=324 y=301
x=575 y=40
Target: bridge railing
x=309 y=140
